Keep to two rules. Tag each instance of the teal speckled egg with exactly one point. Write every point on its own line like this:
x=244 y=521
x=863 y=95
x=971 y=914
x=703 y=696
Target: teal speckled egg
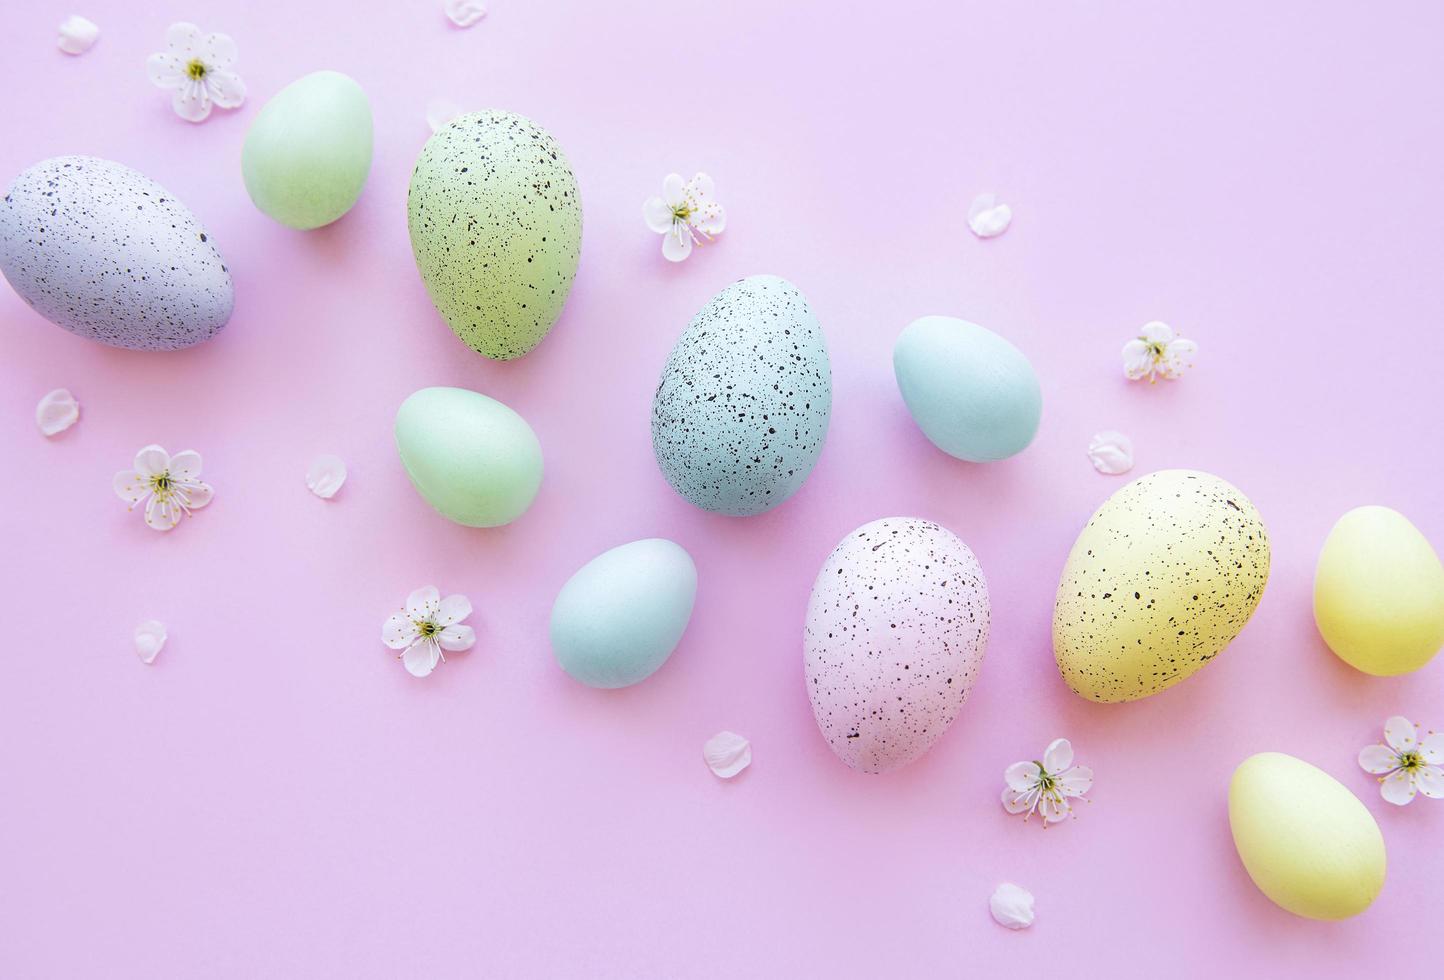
x=308 y=151
x=496 y=229
x=973 y=394
x=620 y=617
x=741 y=410
x=472 y=458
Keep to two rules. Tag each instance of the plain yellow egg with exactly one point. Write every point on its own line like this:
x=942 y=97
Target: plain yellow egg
x=1379 y=593
x=1305 y=840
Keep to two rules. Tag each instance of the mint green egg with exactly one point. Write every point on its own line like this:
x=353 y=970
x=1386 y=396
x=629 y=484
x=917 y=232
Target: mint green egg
x=308 y=151
x=974 y=395
x=496 y=229
x=620 y=617
x=469 y=456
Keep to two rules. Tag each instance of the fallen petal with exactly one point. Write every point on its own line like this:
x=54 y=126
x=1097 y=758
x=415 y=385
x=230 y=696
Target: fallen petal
x=77 y=35
x=325 y=476
x=57 y=412
x=987 y=218
x=464 y=13
x=1012 y=907
x=439 y=112
x=149 y=638
x=1111 y=452
x=727 y=754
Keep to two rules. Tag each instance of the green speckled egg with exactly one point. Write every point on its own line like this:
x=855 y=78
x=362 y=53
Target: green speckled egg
x=496 y=228
x=308 y=151
x=471 y=457
x=1160 y=581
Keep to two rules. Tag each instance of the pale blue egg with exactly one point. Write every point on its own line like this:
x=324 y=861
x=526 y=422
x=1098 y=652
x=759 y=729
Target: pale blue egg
x=974 y=395
x=620 y=617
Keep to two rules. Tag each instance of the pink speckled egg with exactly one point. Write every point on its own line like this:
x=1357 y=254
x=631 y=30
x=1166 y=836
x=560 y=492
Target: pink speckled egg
x=896 y=629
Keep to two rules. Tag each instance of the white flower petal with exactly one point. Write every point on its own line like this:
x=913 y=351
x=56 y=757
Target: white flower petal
x=191 y=102
x=165 y=70
x=1156 y=332
x=130 y=486
x=710 y=219
x=1378 y=759
x=225 y=89
x=727 y=754
x=1058 y=756
x=456 y=637
x=162 y=513
x=183 y=39
x=1430 y=780
x=1177 y=356
x=1400 y=733
x=699 y=189
x=987 y=218
x=57 y=412
x=77 y=35
x=440 y=111
x=1111 y=452
x=1431 y=747
x=674 y=190
x=1012 y=907
x=1054 y=808
x=1137 y=360
x=149 y=638
x=1398 y=788
x=464 y=13
x=677 y=244
x=657 y=215
x=453 y=609
x=152 y=461
x=185 y=466
x=1021 y=776
x=421 y=658
x=218 y=51
x=325 y=476
x=424 y=603
x=1016 y=802
x=398 y=632
x=1076 y=781
x=197 y=494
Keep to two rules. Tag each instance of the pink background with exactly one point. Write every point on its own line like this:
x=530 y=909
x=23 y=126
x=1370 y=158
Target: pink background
x=275 y=796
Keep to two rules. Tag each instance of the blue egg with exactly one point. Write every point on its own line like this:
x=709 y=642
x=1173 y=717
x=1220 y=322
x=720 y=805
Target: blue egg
x=973 y=394
x=742 y=407
x=620 y=617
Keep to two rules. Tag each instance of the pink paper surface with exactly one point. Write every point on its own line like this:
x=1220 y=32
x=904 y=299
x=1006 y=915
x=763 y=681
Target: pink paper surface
x=277 y=797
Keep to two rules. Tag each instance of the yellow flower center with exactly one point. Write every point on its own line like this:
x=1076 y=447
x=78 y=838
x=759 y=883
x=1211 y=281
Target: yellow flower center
x=1410 y=761
x=160 y=483
x=196 y=69
x=427 y=629
x=681 y=212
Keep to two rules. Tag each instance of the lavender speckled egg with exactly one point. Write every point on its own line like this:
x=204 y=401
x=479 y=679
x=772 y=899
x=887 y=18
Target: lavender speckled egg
x=741 y=410
x=896 y=630
x=496 y=229
x=109 y=254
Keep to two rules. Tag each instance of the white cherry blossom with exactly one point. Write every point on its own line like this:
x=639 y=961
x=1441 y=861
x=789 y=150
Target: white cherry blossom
x=196 y=68
x=1407 y=765
x=427 y=626
x=686 y=214
x=1048 y=786
x=169 y=486
x=1157 y=353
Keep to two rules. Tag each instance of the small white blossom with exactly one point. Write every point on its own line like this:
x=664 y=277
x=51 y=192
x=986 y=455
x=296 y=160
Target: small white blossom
x=685 y=213
x=1048 y=786
x=1157 y=353
x=169 y=486
x=196 y=68
x=428 y=625
x=1407 y=764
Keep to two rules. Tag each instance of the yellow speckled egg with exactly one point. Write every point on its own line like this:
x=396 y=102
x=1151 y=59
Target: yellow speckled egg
x=1162 y=578
x=1379 y=593
x=1305 y=840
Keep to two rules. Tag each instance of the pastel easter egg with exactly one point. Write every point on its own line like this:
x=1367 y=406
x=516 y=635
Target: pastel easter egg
x=496 y=228
x=741 y=410
x=973 y=394
x=308 y=150
x=622 y=614
x=1379 y=593
x=109 y=254
x=1163 y=577
x=1305 y=840
x=469 y=456
x=896 y=628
